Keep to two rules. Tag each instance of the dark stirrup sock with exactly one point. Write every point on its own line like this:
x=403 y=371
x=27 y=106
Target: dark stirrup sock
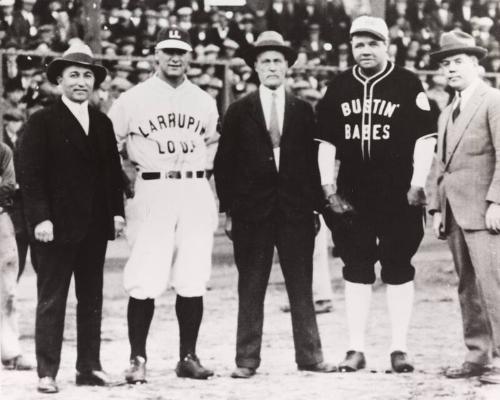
x=189 y=312
x=139 y=317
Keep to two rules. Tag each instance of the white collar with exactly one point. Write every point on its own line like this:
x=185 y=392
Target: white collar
x=167 y=85
x=466 y=94
x=280 y=91
x=74 y=106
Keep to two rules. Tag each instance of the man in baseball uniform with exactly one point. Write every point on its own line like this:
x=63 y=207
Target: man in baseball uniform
x=375 y=118
x=169 y=128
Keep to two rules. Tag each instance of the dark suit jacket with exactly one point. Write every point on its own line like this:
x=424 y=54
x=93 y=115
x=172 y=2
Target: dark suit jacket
x=63 y=172
x=247 y=181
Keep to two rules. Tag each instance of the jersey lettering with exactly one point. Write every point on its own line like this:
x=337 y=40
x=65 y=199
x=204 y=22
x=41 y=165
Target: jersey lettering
x=377 y=132
x=373 y=106
x=170 y=121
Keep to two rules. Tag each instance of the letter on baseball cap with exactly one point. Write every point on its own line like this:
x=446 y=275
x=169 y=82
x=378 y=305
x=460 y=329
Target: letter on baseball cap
x=173 y=38
x=372 y=25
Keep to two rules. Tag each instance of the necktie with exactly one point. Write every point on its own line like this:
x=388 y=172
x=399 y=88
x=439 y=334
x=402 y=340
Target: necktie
x=274 y=127
x=456 y=109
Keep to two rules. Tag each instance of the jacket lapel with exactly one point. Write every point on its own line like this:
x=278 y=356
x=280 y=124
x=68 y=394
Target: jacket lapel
x=465 y=118
x=257 y=114
x=442 y=133
x=72 y=128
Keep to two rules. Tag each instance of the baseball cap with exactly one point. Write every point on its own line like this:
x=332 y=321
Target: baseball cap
x=373 y=25
x=173 y=38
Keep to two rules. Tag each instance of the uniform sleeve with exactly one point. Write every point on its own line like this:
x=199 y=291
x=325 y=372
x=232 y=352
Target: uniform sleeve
x=118 y=116
x=7 y=175
x=422 y=116
x=329 y=121
x=212 y=135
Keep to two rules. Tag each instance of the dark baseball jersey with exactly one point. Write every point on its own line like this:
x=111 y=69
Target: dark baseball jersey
x=374 y=123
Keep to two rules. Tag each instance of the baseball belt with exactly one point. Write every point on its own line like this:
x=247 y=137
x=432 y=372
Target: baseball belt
x=173 y=175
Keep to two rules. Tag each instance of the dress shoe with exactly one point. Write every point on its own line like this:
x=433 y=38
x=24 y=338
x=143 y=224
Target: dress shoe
x=18 y=363
x=47 y=384
x=319 y=367
x=466 y=370
x=354 y=360
x=491 y=376
x=190 y=367
x=400 y=362
x=243 y=373
x=93 y=378
x=323 y=306
x=136 y=373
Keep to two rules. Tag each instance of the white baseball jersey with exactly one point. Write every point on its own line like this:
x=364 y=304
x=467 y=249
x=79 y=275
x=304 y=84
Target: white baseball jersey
x=166 y=128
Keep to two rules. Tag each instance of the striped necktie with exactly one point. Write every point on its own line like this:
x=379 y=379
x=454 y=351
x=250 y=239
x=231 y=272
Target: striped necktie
x=456 y=109
x=274 y=127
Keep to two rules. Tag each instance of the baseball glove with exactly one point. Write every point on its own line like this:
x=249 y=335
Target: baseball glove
x=337 y=210
x=6 y=196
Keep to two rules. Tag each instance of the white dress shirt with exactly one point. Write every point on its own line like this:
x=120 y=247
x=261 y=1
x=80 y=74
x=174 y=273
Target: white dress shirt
x=266 y=99
x=80 y=111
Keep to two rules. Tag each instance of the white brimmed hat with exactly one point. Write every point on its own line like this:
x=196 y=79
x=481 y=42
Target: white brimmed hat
x=173 y=38
x=372 y=25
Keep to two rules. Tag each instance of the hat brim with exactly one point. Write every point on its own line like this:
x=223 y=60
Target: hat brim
x=479 y=52
x=173 y=44
x=57 y=66
x=251 y=54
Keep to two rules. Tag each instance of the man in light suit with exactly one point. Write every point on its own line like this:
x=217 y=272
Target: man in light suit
x=268 y=185
x=71 y=183
x=466 y=201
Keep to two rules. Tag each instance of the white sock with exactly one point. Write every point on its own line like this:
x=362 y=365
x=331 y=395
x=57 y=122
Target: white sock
x=400 y=305
x=357 y=300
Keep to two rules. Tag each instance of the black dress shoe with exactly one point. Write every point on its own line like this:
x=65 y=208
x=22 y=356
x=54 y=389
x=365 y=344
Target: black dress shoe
x=47 y=384
x=190 y=367
x=466 y=370
x=319 y=367
x=400 y=362
x=354 y=361
x=491 y=376
x=243 y=373
x=93 y=378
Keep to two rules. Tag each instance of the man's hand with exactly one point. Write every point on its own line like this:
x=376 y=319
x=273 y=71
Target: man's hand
x=44 y=231
x=317 y=223
x=338 y=205
x=493 y=218
x=228 y=227
x=437 y=225
x=416 y=196
x=119 y=227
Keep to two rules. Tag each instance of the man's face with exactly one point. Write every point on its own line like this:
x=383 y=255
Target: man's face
x=460 y=70
x=77 y=83
x=370 y=53
x=173 y=63
x=271 y=68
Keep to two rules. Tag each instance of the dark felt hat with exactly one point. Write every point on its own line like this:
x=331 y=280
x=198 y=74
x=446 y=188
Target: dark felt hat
x=457 y=42
x=269 y=40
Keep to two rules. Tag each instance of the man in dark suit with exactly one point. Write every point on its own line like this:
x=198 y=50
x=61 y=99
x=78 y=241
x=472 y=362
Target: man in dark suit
x=268 y=184
x=70 y=178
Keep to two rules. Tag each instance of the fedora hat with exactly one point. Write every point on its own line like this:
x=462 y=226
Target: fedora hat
x=80 y=55
x=269 y=40
x=457 y=42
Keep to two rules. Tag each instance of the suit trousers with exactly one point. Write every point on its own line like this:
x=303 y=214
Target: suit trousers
x=9 y=330
x=57 y=262
x=476 y=255
x=254 y=244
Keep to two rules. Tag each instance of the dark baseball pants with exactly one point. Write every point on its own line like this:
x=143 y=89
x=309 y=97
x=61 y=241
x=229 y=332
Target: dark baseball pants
x=388 y=235
x=253 y=250
x=56 y=264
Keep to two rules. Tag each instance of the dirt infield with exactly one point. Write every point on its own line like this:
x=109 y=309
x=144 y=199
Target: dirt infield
x=435 y=342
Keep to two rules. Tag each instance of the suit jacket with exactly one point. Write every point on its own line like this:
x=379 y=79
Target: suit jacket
x=64 y=173
x=248 y=184
x=469 y=178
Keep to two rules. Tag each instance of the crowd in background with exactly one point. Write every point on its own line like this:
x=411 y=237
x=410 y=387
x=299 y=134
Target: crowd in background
x=319 y=29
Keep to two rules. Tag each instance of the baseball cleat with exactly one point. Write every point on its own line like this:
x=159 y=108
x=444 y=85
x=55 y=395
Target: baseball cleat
x=400 y=363
x=190 y=367
x=136 y=373
x=354 y=361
